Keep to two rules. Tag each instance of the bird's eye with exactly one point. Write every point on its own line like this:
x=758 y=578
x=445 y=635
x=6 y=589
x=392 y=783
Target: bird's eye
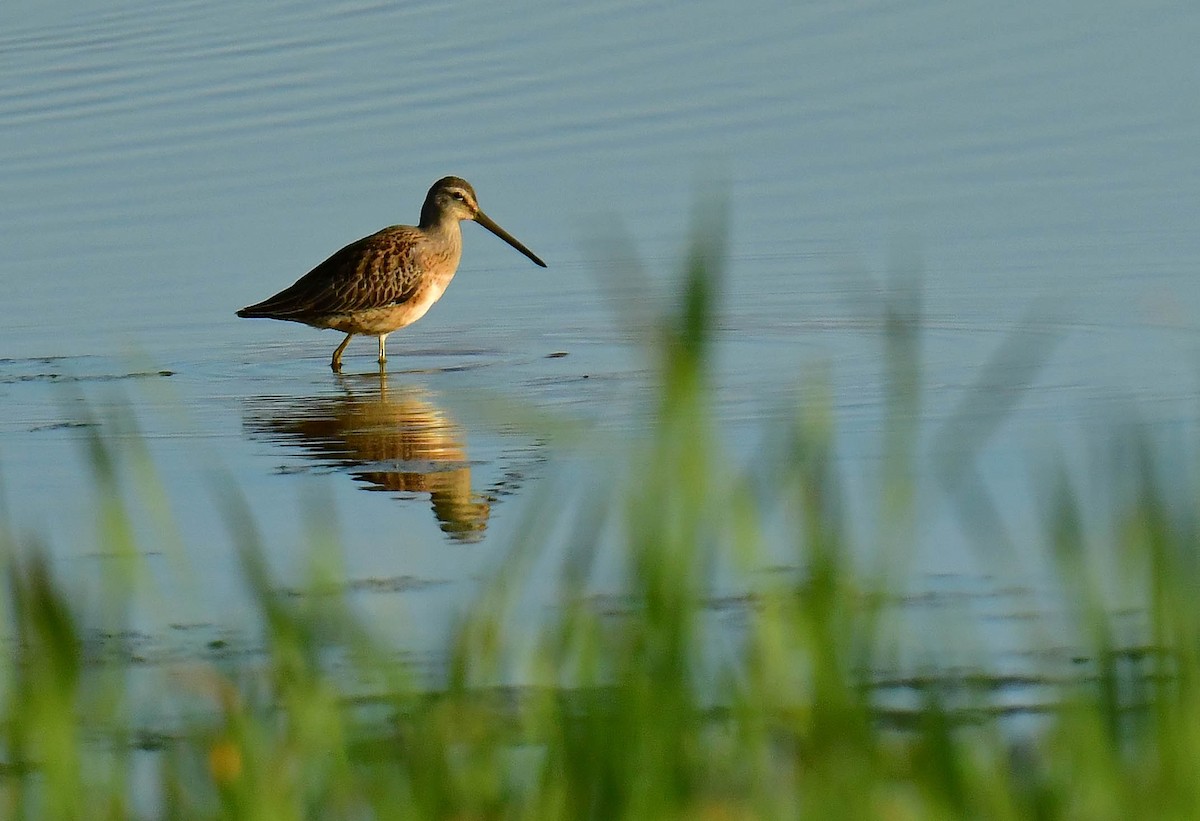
x=458 y=195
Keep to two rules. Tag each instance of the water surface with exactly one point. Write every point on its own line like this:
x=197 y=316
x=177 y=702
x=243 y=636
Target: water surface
x=166 y=164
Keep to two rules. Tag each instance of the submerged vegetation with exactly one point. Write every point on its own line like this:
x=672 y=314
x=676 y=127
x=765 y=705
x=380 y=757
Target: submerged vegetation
x=641 y=713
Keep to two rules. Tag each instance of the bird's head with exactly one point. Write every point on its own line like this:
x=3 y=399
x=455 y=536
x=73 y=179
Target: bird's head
x=450 y=197
x=453 y=198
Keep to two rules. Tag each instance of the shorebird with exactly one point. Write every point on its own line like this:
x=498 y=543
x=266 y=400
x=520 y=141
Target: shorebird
x=388 y=280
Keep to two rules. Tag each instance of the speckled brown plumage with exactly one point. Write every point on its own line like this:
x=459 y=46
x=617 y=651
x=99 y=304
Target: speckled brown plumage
x=390 y=279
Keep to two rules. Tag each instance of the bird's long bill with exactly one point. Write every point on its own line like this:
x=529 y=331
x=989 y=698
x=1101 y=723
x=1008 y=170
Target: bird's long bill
x=486 y=221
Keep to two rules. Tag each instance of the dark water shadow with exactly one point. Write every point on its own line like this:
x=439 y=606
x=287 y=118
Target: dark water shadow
x=67 y=369
x=389 y=437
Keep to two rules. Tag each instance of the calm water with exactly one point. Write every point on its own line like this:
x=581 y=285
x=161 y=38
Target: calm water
x=168 y=163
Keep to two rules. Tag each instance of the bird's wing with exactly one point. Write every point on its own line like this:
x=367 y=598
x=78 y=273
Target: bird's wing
x=372 y=272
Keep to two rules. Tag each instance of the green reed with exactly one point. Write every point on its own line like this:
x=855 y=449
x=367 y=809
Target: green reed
x=655 y=710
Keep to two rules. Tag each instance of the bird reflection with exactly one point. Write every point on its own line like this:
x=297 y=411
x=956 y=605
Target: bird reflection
x=392 y=439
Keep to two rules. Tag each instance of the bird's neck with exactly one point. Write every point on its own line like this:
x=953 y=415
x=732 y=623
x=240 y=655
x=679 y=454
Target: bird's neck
x=445 y=234
x=432 y=216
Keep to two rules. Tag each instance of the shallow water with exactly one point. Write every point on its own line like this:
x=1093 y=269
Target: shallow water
x=166 y=164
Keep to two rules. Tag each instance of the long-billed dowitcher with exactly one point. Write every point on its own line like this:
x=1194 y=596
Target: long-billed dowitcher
x=390 y=279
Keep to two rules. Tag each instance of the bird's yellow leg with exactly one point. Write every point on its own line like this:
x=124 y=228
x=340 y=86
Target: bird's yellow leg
x=336 y=364
x=382 y=350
